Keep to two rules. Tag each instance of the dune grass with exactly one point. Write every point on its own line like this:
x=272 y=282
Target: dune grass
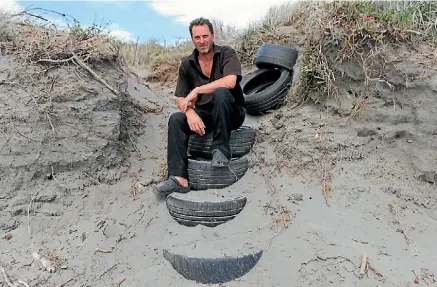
x=358 y=32
x=325 y=33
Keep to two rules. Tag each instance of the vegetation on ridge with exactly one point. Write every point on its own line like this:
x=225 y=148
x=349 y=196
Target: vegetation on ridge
x=326 y=34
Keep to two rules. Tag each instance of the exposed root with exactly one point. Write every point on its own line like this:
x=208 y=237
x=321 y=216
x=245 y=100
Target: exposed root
x=97 y=77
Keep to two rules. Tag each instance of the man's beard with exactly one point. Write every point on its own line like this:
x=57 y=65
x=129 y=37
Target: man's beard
x=204 y=50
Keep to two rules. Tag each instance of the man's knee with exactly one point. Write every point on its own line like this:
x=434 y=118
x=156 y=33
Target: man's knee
x=222 y=95
x=177 y=119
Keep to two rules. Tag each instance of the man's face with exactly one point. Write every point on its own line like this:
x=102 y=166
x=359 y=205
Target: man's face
x=202 y=38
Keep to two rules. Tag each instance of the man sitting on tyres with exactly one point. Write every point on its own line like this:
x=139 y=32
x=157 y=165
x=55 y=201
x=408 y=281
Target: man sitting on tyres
x=209 y=98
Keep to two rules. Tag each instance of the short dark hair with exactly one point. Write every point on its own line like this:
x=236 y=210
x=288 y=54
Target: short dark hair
x=201 y=21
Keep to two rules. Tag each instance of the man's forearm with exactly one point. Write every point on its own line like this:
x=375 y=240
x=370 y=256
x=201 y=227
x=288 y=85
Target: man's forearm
x=227 y=82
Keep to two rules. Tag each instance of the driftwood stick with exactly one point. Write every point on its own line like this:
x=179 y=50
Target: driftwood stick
x=55 y=61
x=363 y=268
x=97 y=77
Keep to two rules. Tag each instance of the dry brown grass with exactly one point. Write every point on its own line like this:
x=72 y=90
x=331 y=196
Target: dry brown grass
x=165 y=69
x=326 y=34
x=146 y=54
x=33 y=37
x=35 y=43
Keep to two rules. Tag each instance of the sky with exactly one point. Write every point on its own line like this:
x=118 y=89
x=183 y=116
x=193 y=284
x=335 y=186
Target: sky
x=160 y=20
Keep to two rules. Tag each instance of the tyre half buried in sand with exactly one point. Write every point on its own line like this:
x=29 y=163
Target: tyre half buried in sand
x=240 y=142
x=212 y=270
x=202 y=175
x=189 y=212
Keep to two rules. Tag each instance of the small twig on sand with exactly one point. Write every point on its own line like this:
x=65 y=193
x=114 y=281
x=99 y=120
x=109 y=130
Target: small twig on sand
x=321 y=237
x=141 y=217
x=148 y=222
x=20 y=133
x=102 y=250
x=358 y=241
x=115 y=265
x=28 y=213
x=121 y=282
x=50 y=121
x=375 y=270
x=54 y=177
x=66 y=282
x=97 y=77
x=276 y=234
x=364 y=265
x=92 y=178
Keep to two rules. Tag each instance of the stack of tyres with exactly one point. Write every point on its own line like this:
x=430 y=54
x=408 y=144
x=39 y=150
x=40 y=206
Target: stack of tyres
x=191 y=211
x=202 y=175
x=266 y=88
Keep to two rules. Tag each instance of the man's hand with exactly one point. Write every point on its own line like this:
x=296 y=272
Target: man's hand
x=192 y=96
x=188 y=101
x=182 y=104
x=195 y=122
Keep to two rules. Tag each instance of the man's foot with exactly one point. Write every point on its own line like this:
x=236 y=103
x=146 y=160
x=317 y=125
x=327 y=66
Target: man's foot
x=219 y=159
x=169 y=186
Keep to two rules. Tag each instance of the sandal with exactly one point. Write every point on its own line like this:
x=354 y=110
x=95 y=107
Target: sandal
x=219 y=159
x=169 y=186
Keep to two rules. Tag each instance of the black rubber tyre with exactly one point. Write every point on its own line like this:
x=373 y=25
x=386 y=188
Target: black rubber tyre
x=274 y=55
x=207 y=213
x=201 y=218
x=212 y=270
x=191 y=223
x=177 y=202
x=203 y=176
x=241 y=142
x=268 y=97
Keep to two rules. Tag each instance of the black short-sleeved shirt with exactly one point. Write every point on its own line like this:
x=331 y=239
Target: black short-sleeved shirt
x=225 y=62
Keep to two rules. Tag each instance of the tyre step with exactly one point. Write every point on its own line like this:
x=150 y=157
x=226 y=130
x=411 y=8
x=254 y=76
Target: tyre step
x=240 y=142
x=202 y=175
x=212 y=270
x=192 y=212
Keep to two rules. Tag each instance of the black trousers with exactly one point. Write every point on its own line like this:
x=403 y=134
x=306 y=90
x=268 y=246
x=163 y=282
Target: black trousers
x=221 y=116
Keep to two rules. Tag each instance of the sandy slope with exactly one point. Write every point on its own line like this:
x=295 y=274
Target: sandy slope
x=379 y=205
